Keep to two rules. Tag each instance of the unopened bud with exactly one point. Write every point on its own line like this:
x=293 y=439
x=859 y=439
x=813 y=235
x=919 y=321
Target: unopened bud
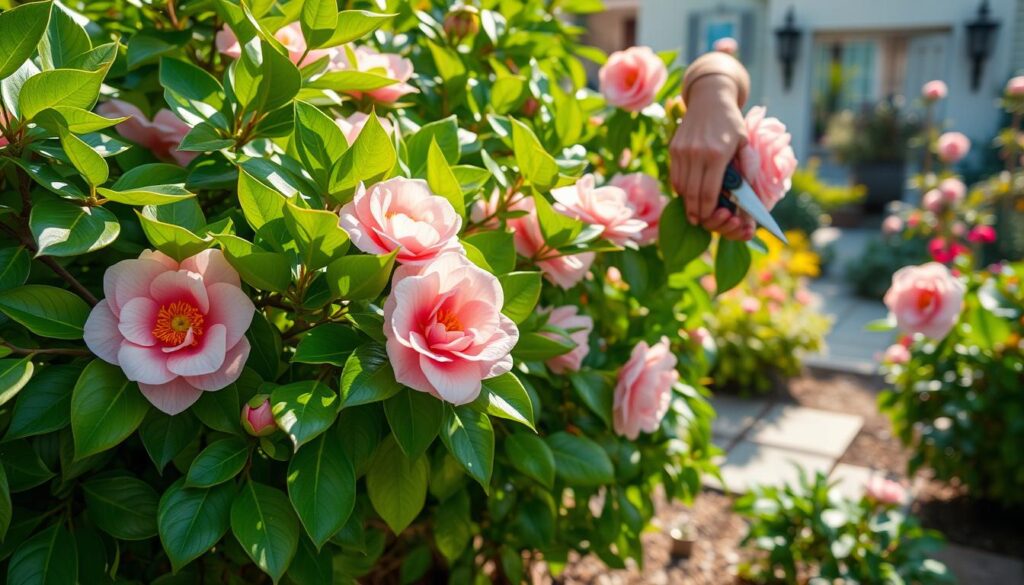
x=257 y=420
x=462 y=21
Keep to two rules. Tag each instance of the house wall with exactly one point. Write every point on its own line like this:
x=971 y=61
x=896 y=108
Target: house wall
x=664 y=24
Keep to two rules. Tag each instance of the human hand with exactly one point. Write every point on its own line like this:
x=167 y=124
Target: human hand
x=711 y=133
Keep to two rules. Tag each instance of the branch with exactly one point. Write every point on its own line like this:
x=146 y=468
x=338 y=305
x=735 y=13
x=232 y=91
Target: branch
x=45 y=351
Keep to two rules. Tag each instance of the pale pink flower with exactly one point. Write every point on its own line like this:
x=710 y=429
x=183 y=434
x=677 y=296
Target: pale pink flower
x=934 y=201
x=389 y=65
x=161 y=136
x=953 y=190
x=952 y=147
x=892 y=225
x=290 y=37
x=896 y=353
x=804 y=296
x=176 y=329
x=563 y=271
x=578 y=327
x=925 y=299
x=402 y=214
x=484 y=210
x=1015 y=86
x=982 y=234
x=353 y=125
x=885 y=491
x=934 y=90
x=607 y=207
x=613 y=276
x=774 y=292
x=727 y=45
x=632 y=78
x=444 y=328
x=750 y=305
x=708 y=283
x=257 y=418
x=643 y=192
x=767 y=160
x=643 y=392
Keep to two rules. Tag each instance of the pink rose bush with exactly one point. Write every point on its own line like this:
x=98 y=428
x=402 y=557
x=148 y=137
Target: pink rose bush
x=631 y=79
x=1015 y=87
x=767 y=160
x=952 y=147
x=885 y=491
x=161 y=135
x=892 y=224
x=607 y=207
x=578 y=328
x=925 y=299
x=644 y=389
x=565 y=271
x=644 y=195
x=934 y=90
x=389 y=65
x=178 y=329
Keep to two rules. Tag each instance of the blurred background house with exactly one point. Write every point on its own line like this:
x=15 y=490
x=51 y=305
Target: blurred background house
x=825 y=66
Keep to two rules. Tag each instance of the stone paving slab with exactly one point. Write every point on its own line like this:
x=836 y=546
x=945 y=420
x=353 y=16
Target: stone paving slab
x=748 y=464
x=977 y=567
x=818 y=432
x=734 y=415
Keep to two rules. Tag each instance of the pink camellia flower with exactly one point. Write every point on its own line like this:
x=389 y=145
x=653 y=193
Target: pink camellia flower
x=444 y=328
x=767 y=160
x=176 y=329
x=578 y=327
x=934 y=90
x=402 y=214
x=885 y=491
x=606 y=206
x=896 y=353
x=563 y=271
x=1015 y=86
x=161 y=136
x=727 y=45
x=484 y=210
x=644 y=389
x=643 y=193
x=750 y=305
x=257 y=418
x=892 y=225
x=386 y=64
x=952 y=147
x=632 y=78
x=290 y=37
x=945 y=251
x=925 y=299
x=934 y=201
x=982 y=234
x=953 y=190
x=353 y=125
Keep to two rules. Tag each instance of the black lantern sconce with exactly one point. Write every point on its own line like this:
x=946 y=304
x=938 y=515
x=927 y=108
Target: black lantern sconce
x=981 y=36
x=787 y=40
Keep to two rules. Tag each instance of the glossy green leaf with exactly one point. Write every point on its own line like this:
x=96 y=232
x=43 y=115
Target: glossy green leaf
x=397 y=485
x=193 y=94
x=442 y=180
x=21 y=28
x=175 y=241
x=360 y=276
x=319 y=18
x=191 y=520
x=105 y=408
x=44 y=404
x=536 y=165
x=354 y=25
x=64 y=39
x=532 y=457
x=579 y=461
x=732 y=260
x=681 y=242
x=123 y=506
x=263 y=522
x=469 y=437
x=522 y=291
x=60 y=87
x=367 y=377
x=14 y=267
x=218 y=462
x=317 y=234
x=45 y=310
x=415 y=419
x=264 y=270
x=322 y=487
x=303 y=410
x=319 y=142
x=505 y=397
x=48 y=558
x=164 y=437
x=14 y=374
x=62 y=228
x=330 y=343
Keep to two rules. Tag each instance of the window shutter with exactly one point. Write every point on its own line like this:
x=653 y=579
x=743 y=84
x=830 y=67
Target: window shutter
x=693 y=34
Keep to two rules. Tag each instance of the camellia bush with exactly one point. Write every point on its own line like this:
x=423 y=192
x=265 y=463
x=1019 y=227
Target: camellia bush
x=306 y=292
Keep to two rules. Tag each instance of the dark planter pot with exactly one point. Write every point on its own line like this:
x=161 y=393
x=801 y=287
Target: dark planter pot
x=884 y=181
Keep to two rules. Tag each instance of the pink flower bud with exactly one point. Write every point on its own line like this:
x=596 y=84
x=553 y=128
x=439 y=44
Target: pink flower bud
x=953 y=147
x=257 y=420
x=896 y=353
x=933 y=201
x=934 y=90
x=462 y=21
x=1015 y=87
x=885 y=491
x=953 y=190
x=892 y=225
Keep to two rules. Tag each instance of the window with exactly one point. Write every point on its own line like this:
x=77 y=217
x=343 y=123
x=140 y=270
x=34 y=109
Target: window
x=719 y=26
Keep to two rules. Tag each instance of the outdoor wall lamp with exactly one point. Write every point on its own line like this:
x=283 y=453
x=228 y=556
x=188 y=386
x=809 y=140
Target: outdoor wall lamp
x=787 y=40
x=981 y=34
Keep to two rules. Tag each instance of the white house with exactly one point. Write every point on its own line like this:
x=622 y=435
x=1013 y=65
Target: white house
x=868 y=49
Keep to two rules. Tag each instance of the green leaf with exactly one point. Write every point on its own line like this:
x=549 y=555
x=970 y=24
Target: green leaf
x=318 y=140
x=264 y=270
x=522 y=291
x=732 y=260
x=580 y=461
x=536 y=165
x=21 y=28
x=397 y=485
x=74 y=119
x=191 y=520
x=25 y=470
x=445 y=132
x=105 y=408
x=304 y=409
x=47 y=311
x=165 y=436
x=508 y=93
x=64 y=39
x=497 y=248
x=681 y=242
x=310 y=567
x=354 y=25
x=318 y=20
x=367 y=377
x=558 y=230
x=596 y=391
x=442 y=180
x=505 y=397
x=264 y=78
x=370 y=159
x=205 y=137
x=360 y=277
x=14 y=374
x=88 y=162
x=122 y=506
x=470 y=439
x=415 y=419
x=14 y=267
x=220 y=410
x=263 y=522
x=151 y=195
x=218 y=462
x=453 y=527
x=44 y=404
x=144 y=48
x=175 y=241
x=194 y=95
x=330 y=343
x=322 y=487
x=260 y=204
x=317 y=234
x=62 y=228
x=344 y=81
x=532 y=457
x=48 y=558
x=6 y=508
x=60 y=87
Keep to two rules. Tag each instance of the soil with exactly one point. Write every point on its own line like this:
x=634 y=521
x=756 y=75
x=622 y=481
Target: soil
x=716 y=551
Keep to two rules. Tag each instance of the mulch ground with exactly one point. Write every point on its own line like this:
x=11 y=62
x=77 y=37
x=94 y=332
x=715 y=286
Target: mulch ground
x=719 y=531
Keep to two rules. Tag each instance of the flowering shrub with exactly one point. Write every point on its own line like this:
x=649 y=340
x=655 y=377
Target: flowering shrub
x=766 y=323
x=805 y=533
x=379 y=293
x=956 y=374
